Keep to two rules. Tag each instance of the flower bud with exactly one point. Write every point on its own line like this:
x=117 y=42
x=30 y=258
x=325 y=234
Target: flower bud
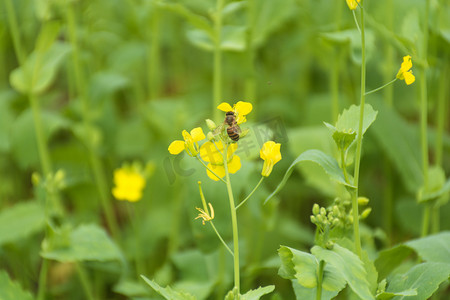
x=316 y=209
x=319 y=219
x=35 y=178
x=323 y=211
x=210 y=136
x=211 y=124
x=366 y=213
x=336 y=211
x=313 y=220
x=363 y=201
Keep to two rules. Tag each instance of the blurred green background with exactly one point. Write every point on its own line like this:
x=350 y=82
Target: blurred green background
x=116 y=81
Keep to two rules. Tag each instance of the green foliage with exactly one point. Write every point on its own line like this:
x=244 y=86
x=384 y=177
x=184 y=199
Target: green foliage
x=10 y=290
x=167 y=292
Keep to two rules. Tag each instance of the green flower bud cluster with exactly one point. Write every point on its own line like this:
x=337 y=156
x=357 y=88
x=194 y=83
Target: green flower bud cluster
x=325 y=218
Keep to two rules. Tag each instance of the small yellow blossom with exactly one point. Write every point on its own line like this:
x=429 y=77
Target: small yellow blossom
x=213 y=154
x=204 y=215
x=352 y=4
x=241 y=109
x=405 y=72
x=190 y=143
x=128 y=184
x=270 y=153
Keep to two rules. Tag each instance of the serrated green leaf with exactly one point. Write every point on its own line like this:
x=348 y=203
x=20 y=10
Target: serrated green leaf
x=87 y=243
x=327 y=162
x=349 y=266
x=167 y=292
x=20 y=221
x=39 y=70
x=425 y=278
x=349 y=119
x=257 y=293
x=433 y=248
x=10 y=290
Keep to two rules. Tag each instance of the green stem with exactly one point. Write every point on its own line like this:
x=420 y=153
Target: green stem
x=134 y=220
x=359 y=138
x=217 y=75
x=42 y=287
x=234 y=224
x=334 y=85
x=15 y=34
x=154 y=53
x=201 y=161
x=248 y=197
x=97 y=166
x=250 y=81
x=424 y=120
x=344 y=166
x=381 y=87
x=319 y=280
x=426 y=219
x=440 y=113
x=205 y=208
x=84 y=281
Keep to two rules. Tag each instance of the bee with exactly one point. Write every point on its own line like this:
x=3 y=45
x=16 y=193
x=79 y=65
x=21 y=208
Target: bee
x=233 y=129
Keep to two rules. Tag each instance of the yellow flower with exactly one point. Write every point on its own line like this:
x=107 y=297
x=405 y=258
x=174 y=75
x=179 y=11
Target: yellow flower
x=241 y=109
x=190 y=143
x=352 y=4
x=213 y=155
x=270 y=152
x=128 y=184
x=204 y=215
x=405 y=73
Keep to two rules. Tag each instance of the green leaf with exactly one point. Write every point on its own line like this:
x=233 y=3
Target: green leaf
x=258 y=293
x=10 y=290
x=86 y=243
x=39 y=70
x=390 y=295
x=400 y=142
x=20 y=221
x=425 y=278
x=7 y=117
x=347 y=265
x=167 y=292
x=390 y=259
x=349 y=119
x=302 y=292
x=433 y=248
x=327 y=162
x=232 y=38
x=131 y=288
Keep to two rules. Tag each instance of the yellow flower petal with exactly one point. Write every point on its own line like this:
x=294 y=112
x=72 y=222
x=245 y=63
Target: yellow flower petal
x=218 y=169
x=176 y=147
x=197 y=134
x=352 y=4
x=270 y=153
x=225 y=107
x=409 y=77
x=128 y=184
x=234 y=165
x=243 y=108
x=209 y=153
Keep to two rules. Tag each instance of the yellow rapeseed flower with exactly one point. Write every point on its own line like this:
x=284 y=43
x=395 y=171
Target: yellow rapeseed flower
x=241 y=109
x=213 y=155
x=204 y=215
x=352 y=4
x=270 y=153
x=405 y=72
x=128 y=184
x=190 y=143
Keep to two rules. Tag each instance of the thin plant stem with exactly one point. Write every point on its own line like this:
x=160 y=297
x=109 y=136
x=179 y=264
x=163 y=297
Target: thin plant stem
x=85 y=283
x=217 y=72
x=248 y=197
x=250 y=81
x=234 y=224
x=424 y=121
x=382 y=87
x=42 y=287
x=205 y=208
x=134 y=220
x=357 y=238
x=334 y=86
x=154 y=53
x=319 y=280
x=15 y=34
x=344 y=166
x=440 y=113
x=201 y=161
x=97 y=166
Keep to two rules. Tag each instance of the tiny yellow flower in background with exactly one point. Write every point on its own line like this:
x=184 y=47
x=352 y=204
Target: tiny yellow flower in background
x=213 y=155
x=405 y=72
x=128 y=184
x=204 y=215
x=241 y=109
x=352 y=4
x=190 y=143
x=270 y=153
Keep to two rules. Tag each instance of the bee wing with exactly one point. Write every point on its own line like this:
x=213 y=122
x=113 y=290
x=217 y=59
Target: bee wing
x=219 y=129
